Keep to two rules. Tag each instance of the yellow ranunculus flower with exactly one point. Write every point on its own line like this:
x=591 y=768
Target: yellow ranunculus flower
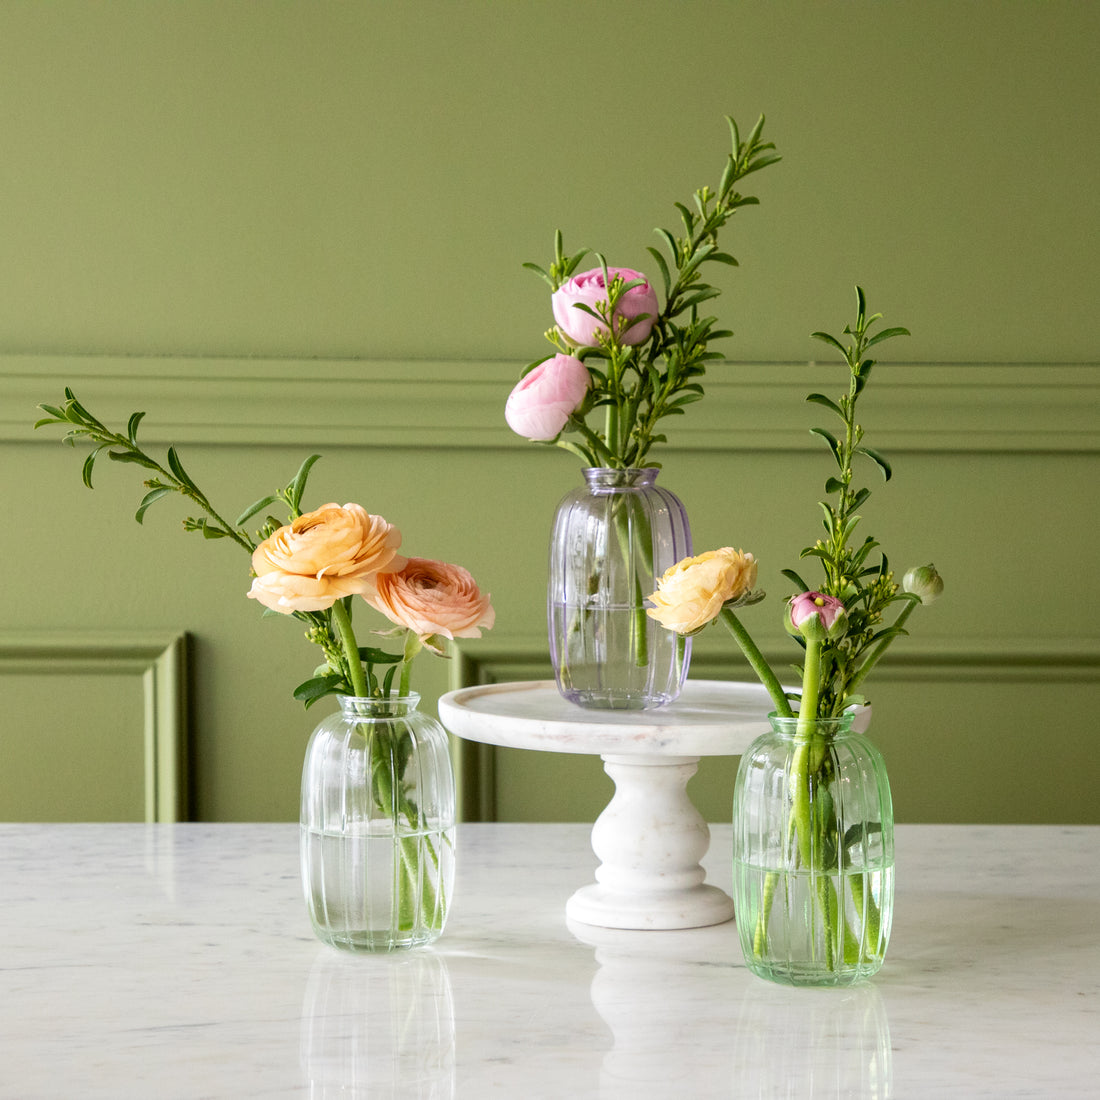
x=693 y=591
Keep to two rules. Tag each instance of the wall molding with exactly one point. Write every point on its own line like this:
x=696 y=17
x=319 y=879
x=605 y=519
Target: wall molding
x=969 y=407
x=160 y=660
x=936 y=660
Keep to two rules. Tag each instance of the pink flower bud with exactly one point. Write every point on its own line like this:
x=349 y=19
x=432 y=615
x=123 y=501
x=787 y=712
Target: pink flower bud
x=541 y=403
x=816 y=616
x=588 y=289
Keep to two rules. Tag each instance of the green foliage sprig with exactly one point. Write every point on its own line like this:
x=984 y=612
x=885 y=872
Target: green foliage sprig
x=639 y=386
x=866 y=588
x=329 y=629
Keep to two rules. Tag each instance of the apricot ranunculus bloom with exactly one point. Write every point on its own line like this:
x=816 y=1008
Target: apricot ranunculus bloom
x=323 y=556
x=432 y=597
x=693 y=591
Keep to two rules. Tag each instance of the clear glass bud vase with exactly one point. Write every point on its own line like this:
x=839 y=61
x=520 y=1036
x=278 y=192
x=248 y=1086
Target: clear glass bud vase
x=377 y=825
x=612 y=539
x=813 y=853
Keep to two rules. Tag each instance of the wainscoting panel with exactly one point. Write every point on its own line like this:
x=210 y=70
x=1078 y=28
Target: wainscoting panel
x=94 y=727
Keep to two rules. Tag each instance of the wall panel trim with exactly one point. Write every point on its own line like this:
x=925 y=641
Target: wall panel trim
x=160 y=660
x=969 y=407
x=973 y=660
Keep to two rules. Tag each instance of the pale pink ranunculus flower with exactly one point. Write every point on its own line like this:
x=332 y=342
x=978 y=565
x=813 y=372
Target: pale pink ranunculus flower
x=542 y=401
x=803 y=607
x=432 y=597
x=323 y=556
x=588 y=289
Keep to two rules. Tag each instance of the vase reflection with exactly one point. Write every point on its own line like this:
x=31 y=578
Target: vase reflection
x=813 y=1042
x=383 y=1031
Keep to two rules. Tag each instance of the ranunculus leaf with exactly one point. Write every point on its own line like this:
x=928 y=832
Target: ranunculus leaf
x=371 y=656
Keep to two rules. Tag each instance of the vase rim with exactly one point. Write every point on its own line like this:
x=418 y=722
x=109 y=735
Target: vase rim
x=359 y=706
x=837 y=725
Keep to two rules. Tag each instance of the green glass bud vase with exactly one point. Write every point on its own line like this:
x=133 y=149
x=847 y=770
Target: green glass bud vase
x=813 y=853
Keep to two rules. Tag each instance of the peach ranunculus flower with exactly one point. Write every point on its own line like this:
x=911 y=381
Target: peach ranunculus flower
x=692 y=593
x=432 y=597
x=323 y=556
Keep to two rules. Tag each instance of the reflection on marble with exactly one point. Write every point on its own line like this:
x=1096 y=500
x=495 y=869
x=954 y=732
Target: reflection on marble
x=374 y=1038
x=178 y=962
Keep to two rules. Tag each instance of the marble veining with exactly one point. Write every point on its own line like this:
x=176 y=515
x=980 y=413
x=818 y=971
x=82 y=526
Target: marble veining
x=177 y=962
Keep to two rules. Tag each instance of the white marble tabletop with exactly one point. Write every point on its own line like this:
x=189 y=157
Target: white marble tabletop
x=176 y=961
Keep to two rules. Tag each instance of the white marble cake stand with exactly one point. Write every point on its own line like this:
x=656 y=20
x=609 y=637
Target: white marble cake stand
x=650 y=838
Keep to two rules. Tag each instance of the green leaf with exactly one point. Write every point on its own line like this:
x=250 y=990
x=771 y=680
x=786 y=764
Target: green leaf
x=176 y=467
x=132 y=427
x=834 y=443
x=542 y=274
x=828 y=402
x=661 y=266
x=209 y=532
x=318 y=687
x=723 y=258
x=252 y=509
x=791 y=575
x=371 y=656
x=133 y=456
x=831 y=340
x=150 y=498
x=886 y=334
x=833 y=485
x=298 y=486
x=89 y=463
x=877 y=458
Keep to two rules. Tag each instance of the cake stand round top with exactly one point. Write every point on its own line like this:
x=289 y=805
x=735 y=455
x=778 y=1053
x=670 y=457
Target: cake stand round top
x=710 y=718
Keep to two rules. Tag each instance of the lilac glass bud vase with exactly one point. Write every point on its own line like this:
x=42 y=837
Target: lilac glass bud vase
x=813 y=853
x=612 y=539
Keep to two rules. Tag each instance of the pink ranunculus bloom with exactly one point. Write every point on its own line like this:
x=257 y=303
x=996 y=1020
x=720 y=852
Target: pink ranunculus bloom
x=540 y=405
x=588 y=289
x=432 y=597
x=803 y=607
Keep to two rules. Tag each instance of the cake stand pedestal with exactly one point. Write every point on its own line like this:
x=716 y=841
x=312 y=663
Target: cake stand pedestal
x=650 y=839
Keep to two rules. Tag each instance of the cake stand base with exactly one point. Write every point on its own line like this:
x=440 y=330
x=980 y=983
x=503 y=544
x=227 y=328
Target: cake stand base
x=650 y=840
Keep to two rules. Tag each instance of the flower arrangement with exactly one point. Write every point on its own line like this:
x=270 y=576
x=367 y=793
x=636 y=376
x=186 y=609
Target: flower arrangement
x=812 y=853
x=313 y=567
x=840 y=624
x=618 y=350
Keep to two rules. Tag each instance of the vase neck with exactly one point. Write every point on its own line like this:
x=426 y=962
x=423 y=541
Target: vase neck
x=365 y=708
x=605 y=479
x=828 y=728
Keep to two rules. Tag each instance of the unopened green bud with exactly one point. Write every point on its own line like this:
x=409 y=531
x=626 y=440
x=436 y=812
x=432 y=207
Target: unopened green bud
x=924 y=582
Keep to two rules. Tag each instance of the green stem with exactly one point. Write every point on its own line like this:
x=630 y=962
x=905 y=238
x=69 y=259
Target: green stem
x=801 y=780
x=413 y=646
x=356 y=675
x=759 y=665
x=880 y=649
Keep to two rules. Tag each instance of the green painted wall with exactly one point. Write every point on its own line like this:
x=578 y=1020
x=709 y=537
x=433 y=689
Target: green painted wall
x=299 y=226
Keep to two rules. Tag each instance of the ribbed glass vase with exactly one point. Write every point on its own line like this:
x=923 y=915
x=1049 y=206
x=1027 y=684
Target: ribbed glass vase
x=813 y=853
x=377 y=825
x=612 y=539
